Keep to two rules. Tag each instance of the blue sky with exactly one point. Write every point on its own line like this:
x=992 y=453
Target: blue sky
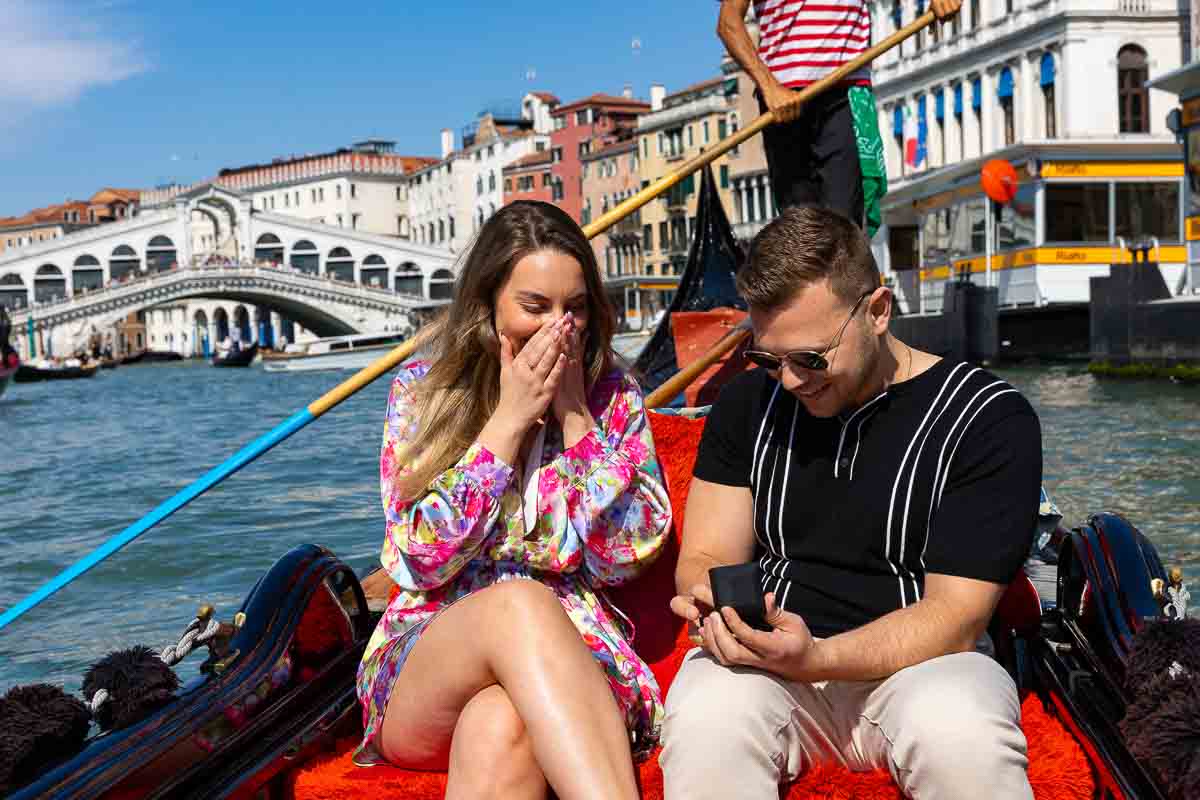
x=132 y=94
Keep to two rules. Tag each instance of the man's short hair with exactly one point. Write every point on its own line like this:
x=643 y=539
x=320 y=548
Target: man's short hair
x=803 y=246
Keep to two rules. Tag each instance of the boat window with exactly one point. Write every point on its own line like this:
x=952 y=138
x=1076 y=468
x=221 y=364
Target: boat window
x=377 y=341
x=1080 y=212
x=339 y=346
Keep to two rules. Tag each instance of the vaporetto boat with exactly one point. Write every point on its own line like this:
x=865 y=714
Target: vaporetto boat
x=335 y=352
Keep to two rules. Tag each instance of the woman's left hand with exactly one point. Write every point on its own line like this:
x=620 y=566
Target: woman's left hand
x=570 y=402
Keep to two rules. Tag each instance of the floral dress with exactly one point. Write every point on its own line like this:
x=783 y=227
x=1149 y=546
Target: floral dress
x=602 y=515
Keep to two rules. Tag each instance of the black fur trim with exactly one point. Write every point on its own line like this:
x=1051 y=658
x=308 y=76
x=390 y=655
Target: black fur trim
x=1159 y=644
x=137 y=682
x=40 y=725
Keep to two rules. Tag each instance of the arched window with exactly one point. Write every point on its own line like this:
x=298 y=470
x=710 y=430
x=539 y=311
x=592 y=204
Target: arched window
x=409 y=280
x=492 y=181
x=305 y=257
x=374 y=271
x=268 y=248
x=339 y=265
x=441 y=230
x=1133 y=100
x=86 y=274
x=160 y=254
x=124 y=263
x=49 y=284
x=441 y=285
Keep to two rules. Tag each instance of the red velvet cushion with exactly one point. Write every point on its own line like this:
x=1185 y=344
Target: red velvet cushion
x=1058 y=767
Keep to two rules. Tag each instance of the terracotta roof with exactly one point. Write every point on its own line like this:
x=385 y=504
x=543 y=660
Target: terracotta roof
x=632 y=104
x=128 y=195
x=695 y=87
x=546 y=97
x=531 y=160
x=48 y=215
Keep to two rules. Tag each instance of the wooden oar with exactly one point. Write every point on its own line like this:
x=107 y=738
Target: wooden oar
x=402 y=352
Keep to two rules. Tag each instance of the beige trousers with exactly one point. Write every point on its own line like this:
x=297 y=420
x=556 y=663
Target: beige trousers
x=946 y=729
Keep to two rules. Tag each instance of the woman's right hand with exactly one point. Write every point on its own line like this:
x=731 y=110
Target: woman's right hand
x=528 y=383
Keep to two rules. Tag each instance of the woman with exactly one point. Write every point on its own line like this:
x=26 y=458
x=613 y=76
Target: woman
x=518 y=477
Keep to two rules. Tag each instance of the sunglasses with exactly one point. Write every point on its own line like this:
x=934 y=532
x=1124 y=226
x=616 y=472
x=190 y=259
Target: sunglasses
x=804 y=359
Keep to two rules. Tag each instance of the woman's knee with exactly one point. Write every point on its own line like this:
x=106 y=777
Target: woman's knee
x=492 y=754
x=520 y=607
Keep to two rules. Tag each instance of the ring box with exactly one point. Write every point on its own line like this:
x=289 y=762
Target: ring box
x=740 y=587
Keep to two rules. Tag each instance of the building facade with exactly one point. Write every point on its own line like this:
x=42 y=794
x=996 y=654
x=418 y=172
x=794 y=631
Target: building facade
x=687 y=122
x=582 y=127
x=450 y=199
x=1056 y=87
x=529 y=178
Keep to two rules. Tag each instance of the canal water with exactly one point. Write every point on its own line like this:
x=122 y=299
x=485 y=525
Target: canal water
x=80 y=460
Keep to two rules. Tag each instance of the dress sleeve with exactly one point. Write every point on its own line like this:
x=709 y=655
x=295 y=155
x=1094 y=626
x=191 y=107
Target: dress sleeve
x=430 y=538
x=603 y=501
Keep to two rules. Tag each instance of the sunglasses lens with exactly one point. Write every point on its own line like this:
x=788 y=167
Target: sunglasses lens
x=809 y=360
x=761 y=359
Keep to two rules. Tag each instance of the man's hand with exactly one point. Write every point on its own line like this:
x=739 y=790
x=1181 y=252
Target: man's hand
x=788 y=650
x=783 y=101
x=945 y=9
x=693 y=607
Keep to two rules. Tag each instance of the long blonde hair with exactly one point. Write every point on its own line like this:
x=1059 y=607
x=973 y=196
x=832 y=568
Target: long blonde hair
x=460 y=392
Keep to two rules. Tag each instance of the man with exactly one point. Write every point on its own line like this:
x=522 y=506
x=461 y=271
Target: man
x=888 y=497
x=831 y=154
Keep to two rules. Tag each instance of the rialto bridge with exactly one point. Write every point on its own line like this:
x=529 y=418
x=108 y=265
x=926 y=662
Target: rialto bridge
x=327 y=279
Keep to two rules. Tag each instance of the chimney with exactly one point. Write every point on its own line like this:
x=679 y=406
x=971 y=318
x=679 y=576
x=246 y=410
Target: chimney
x=447 y=142
x=627 y=92
x=657 y=93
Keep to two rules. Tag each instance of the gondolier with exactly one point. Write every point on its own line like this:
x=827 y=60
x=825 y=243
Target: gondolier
x=828 y=154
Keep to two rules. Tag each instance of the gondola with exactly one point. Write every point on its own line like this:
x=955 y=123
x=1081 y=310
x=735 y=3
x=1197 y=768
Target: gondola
x=151 y=357
x=27 y=373
x=240 y=358
x=272 y=711
x=9 y=360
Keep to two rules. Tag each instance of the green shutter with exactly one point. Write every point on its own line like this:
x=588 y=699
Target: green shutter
x=724 y=176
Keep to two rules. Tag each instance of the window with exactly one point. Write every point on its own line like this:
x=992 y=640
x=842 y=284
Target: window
x=975 y=14
x=398 y=197
x=647 y=238
x=724 y=176
x=287 y=200
x=492 y=181
x=660 y=143
x=507 y=185
x=704 y=131
x=690 y=137
x=339 y=191
x=1018 y=220
x=1132 y=96
x=557 y=190
x=1008 y=6
x=645 y=147
x=584 y=148
x=663 y=236
x=721 y=128
x=321 y=193
x=539 y=147
x=1148 y=209
x=1048 y=102
x=479 y=185
x=546 y=180
x=581 y=117
x=353 y=190
x=441 y=231
x=556 y=154
x=560 y=122
x=354 y=220
x=1079 y=212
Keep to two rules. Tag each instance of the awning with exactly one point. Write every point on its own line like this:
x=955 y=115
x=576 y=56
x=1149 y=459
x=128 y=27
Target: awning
x=977 y=93
x=898 y=122
x=1047 y=72
x=1005 y=86
x=939 y=104
x=958 y=100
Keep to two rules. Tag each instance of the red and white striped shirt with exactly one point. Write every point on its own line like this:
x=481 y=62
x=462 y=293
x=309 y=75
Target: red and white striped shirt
x=802 y=41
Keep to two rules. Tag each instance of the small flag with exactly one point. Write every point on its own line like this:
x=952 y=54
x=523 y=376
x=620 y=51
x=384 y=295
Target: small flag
x=914 y=140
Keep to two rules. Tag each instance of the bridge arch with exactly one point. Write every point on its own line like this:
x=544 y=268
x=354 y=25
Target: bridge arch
x=441 y=285
x=409 y=281
x=124 y=263
x=339 y=265
x=13 y=292
x=268 y=247
x=49 y=284
x=374 y=271
x=160 y=254
x=306 y=257
x=87 y=274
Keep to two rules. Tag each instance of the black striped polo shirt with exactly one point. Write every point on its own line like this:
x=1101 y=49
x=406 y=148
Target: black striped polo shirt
x=940 y=473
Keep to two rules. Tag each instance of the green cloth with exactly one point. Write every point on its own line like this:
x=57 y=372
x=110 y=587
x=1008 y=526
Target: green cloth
x=870 y=154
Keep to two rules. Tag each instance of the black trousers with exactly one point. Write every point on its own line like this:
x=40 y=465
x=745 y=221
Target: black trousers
x=813 y=161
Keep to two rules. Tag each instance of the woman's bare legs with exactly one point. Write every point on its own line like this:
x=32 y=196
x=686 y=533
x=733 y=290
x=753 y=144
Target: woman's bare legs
x=491 y=755
x=517 y=636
